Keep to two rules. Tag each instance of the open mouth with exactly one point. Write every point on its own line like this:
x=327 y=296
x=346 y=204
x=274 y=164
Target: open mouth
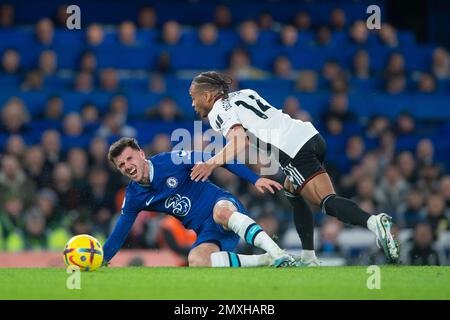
x=132 y=173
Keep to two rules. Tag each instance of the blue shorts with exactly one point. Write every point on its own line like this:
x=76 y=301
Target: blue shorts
x=212 y=232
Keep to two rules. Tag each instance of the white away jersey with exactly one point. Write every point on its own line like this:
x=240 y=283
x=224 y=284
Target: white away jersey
x=265 y=122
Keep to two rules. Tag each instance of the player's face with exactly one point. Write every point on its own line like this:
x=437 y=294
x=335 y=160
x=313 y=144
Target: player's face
x=132 y=163
x=202 y=101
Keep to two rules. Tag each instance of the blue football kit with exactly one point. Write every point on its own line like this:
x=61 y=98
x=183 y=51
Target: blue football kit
x=172 y=191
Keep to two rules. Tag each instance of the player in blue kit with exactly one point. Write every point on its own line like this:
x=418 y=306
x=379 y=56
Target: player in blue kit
x=162 y=183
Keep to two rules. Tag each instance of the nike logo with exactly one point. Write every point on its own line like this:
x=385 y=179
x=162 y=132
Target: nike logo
x=148 y=202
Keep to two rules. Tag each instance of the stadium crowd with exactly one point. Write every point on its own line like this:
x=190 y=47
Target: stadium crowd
x=56 y=182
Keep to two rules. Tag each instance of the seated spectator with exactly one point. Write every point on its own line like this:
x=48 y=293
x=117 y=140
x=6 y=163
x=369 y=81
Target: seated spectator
x=359 y=33
x=69 y=196
x=427 y=83
x=7 y=15
x=10 y=62
x=44 y=32
x=396 y=84
x=78 y=163
x=15 y=146
x=35 y=231
x=302 y=21
x=84 y=82
x=166 y=111
x=388 y=35
x=109 y=80
x=338 y=19
x=354 y=151
x=119 y=105
x=329 y=245
x=171 y=33
x=422 y=252
x=412 y=210
x=248 y=33
x=47 y=204
x=222 y=17
x=47 y=62
x=33 y=81
x=428 y=178
x=283 y=68
x=240 y=66
x=437 y=214
x=51 y=144
x=339 y=85
x=164 y=64
x=365 y=189
x=95 y=35
x=361 y=65
x=61 y=16
x=376 y=126
x=88 y=62
x=73 y=125
x=391 y=191
x=339 y=108
x=406 y=165
x=208 y=34
x=54 y=109
x=306 y=81
x=291 y=106
x=323 y=36
x=331 y=70
x=34 y=164
x=127 y=33
x=289 y=36
x=147 y=18
x=444 y=189
x=395 y=65
x=15 y=117
x=157 y=84
x=265 y=21
x=425 y=152
x=405 y=124
x=113 y=126
x=98 y=153
x=441 y=63
x=161 y=143
x=11 y=221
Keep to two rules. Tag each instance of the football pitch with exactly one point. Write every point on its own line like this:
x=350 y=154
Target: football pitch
x=396 y=282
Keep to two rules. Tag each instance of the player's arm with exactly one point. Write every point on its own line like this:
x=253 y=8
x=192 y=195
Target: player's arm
x=237 y=142
x=118 y=236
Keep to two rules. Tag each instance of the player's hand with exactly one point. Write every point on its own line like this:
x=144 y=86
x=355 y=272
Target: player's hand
x=201 y=171
x=264 y=183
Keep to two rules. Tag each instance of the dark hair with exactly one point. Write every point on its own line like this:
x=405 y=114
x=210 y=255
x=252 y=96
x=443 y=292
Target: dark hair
x=214 y=81
x=117 y=147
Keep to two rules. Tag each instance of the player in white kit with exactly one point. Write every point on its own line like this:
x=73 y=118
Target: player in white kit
x=301 y=153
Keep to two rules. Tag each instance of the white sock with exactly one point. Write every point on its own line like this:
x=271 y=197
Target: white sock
x=253 y=234
x=308 y=254
x=230 y=259
x=372 y=224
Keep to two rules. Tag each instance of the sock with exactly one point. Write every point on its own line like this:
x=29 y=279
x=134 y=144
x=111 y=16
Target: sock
x=308 y=254
x=371 y=224
x=345 y=210
x=303 y=220
x=231 y=259
x=253 y=234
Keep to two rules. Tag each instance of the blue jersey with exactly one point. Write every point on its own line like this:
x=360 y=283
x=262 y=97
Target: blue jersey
x=171 y=191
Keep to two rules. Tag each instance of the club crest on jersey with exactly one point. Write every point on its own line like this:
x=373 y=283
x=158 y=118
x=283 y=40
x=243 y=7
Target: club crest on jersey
x=172 y=182
x=180 y=205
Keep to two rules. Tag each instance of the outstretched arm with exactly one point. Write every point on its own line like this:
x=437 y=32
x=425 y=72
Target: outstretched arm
x=118 y=236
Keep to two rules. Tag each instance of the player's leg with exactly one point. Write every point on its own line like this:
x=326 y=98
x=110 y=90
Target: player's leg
x=231 y=259
x=226 y=214
x=200 y=256
x=304 y=224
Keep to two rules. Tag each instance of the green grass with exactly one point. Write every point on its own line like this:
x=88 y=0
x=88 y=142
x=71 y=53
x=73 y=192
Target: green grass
x=397 y=282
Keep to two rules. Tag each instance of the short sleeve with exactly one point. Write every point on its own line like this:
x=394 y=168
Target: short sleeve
x=223 y=120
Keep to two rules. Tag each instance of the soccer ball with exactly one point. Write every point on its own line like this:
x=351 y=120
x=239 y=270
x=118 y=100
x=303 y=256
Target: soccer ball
x=83 y=251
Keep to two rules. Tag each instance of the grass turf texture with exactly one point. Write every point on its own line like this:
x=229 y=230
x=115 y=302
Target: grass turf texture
x=397 y=282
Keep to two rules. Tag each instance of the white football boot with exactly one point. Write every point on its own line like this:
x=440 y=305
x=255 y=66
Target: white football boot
x=385 y=239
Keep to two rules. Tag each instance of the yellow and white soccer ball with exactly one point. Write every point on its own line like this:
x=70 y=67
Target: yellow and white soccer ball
x=83 y=251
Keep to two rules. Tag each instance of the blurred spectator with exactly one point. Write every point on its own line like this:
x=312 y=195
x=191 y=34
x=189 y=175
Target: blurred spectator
x=265 y=21
x=248 y=33
x=44 y=31
x=376 y=126
x=11 y=221
x=73 y=125
x=428 y=178
x=291 y=106
x=437 y=214
x=339 y=108
x=147 y=18
x=412 y=210
x=329 y=245
x=109 y=80
x=306 y=81
x=365 y=189
x=289 y=36
x=396 y=84
x=386 y=148
x=208 y=34
x=222 y=17
x=161 y=143
x=35 y=233
x=441 y=63
x=427 y=83
x=95 y=35
x=302 y=21
x=406 y=165
x=69 y=196
x=47 y=204
x=10 y=62
x=33 y=81
x=157 y=83
x=15 y=116
x=331 y=70
x=171 y=33
x=354 y=151
x=88 y=62
x=113 y=126
x=7 y=15
x=339 y=84
x=164 y=64
x=388 y=35
x=13 y=180
x=84 y=82
x=405 y=124
x=51 y=144
x=395 y=65
x=425 y=152
x=338 y=19
x=127 y=33
x=323 y=36
x=61 y=16
x=98 y=153
x=391 y=191
x=34 y=164
x=422 y=252
x=444 y=189
x=283 y=68
x=361 y=65
x=119 y=105
x=166 y=111
x=54 y=109
x=78 y=163
x=240 y=66
x=359 y=33
x=15 y=146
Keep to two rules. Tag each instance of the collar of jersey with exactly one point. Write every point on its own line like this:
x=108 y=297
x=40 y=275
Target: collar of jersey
x=150 y=175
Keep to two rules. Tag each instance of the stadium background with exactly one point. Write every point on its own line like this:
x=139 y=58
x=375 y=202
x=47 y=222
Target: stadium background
x=380 y=98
